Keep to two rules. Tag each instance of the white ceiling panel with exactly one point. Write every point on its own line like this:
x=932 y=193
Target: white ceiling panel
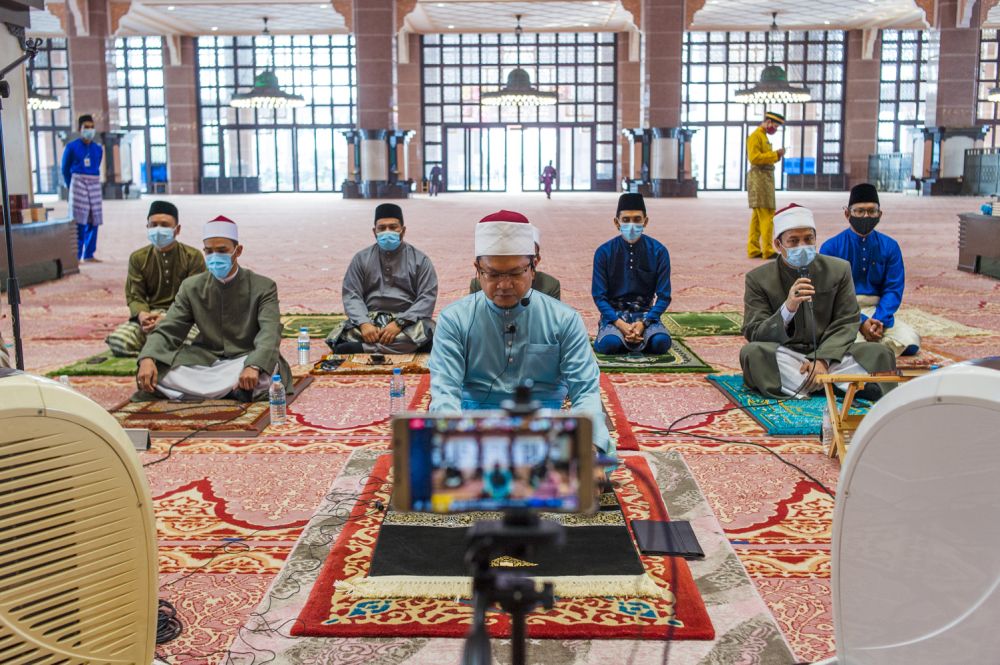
x=43 y=24
x=795 y=14
x=432 y=16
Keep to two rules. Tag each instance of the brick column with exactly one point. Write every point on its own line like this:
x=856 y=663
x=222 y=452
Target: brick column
x=663 y=32
x=409 y=96
x=180 y=89
x=373 y=33
x=629 y=110
x=92 y=70
x=861 y=95
x=958 y=70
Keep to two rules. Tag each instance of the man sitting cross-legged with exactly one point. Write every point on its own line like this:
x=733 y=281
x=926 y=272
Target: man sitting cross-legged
x=237 y=347
x=155 y=273
x=389 y=292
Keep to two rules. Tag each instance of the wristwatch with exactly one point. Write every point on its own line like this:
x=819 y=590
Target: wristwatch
x=401 y=322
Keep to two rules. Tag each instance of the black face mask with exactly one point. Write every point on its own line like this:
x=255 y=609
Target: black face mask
x=864 y=225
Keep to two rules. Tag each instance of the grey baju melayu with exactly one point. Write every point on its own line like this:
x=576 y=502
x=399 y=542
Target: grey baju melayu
x=382 y=286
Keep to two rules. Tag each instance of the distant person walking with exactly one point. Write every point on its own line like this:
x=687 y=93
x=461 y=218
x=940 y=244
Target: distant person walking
x=548 y=177
x=435 y=187
x=760 y=186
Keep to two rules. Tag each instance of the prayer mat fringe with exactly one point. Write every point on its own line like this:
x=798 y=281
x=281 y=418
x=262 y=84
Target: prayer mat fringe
x=589 y=586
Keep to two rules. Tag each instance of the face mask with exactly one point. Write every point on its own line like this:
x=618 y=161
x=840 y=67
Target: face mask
x=631 y=232
x=771 y=130
x=388 y=240
x=160 y=236
x=219 y=265
x=801 y=256
x=89 y=133
x=863 y=225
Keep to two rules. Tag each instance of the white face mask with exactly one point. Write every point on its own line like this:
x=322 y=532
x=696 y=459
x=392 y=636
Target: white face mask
x=89 y=133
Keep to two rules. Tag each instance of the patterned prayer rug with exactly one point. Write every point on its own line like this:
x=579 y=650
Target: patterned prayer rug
x=702 y=324
x=618 y=425
x=319 y=325
x=338 y=606
x=101 y=364
x=935 y=325
x=677 y=360
x=209 y=418
x=361 y=363
x=789 y=417
x=745 y=630
x=926 y=358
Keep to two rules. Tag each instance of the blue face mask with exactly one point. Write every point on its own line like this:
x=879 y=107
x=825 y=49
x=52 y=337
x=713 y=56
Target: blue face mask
x=631 y=232
x=388 y=240
x=219 y=265
x=801 y=256
x=89 y=133
x=160 y=236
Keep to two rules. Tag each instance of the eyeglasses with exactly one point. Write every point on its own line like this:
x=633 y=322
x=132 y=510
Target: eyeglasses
x=864 y=212
x=497 y=276
x=795 y=242
x=637 y=219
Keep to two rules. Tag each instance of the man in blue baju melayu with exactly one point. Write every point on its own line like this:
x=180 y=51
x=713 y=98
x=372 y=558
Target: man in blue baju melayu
x=490 y=342
x=631 y=285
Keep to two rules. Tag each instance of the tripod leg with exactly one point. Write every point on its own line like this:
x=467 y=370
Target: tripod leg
x=477 y=643
x=518 y=641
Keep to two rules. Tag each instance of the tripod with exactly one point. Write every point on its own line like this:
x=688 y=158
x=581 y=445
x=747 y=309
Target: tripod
x=30 y=47
x=520 y=532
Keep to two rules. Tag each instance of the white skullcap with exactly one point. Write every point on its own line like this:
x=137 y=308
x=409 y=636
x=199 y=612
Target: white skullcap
x=221 y=227
x=536 y=234
x=793 y=216
x=505 y=233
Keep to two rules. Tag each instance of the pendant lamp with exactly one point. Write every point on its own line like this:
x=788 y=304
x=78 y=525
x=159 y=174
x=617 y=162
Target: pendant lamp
x=773 y=87
x=518 y=91
x=266 y=92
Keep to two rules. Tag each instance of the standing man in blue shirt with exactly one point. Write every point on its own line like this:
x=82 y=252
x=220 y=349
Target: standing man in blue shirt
x=81 y=171
x=877 y=268
x=631 y=285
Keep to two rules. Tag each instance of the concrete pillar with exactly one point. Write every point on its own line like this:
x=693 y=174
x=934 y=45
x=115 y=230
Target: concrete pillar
x=15 y=121
x=374 y=22
x=92 y=70
x=958 y=70
x=180 y=89
x=861 y=99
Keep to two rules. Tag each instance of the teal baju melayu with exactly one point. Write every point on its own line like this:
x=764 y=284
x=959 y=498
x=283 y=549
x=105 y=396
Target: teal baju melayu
x=483 y=352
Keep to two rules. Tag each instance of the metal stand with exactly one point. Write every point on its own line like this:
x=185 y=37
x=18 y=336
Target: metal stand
x=13 y=288
x=518 y=534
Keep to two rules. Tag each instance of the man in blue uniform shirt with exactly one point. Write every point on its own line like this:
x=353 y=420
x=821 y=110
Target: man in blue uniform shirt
x=877 y=268
x=81 y=171
x=490 y=342
x=631 y=285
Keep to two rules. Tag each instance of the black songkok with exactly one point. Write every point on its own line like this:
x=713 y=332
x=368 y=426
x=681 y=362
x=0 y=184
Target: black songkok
x=863 y=193
x=631 y=202
x=163 y=208
x=385 y=210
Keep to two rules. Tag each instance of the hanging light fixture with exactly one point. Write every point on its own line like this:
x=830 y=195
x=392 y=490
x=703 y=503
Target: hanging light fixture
x=518 y=91
x=773 y=87
x=39 y=102
x=266 y=92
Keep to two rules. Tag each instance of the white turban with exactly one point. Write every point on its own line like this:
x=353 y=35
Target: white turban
x=221 y=227
x=793 y=216
x=505 y=233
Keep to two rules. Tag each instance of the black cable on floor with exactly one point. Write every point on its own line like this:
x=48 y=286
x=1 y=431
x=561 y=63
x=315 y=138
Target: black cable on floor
x=168 y=626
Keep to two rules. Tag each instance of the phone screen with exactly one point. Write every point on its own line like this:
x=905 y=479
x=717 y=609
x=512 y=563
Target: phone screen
x=494 y=462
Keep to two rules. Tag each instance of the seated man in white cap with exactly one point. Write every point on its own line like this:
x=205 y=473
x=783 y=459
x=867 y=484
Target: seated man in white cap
x=489 y=343
x=801 y=317
x=389 y=293
x=237 y=314
x=543 y=282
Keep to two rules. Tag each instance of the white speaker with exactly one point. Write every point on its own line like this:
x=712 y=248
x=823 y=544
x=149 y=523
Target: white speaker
x=77 y=532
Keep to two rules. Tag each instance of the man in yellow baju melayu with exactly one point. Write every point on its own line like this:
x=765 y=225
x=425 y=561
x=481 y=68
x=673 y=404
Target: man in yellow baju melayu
x=760 y=185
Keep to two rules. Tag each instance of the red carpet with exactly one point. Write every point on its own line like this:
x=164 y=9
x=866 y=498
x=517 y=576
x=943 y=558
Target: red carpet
x=331 y=613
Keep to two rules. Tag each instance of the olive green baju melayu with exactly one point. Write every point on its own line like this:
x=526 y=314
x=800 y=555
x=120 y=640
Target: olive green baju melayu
x=836 y=316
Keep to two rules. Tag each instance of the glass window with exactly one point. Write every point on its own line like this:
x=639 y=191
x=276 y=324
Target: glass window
x=909 y=61
x=989 y=63
x=290 y=149
x=48 y=73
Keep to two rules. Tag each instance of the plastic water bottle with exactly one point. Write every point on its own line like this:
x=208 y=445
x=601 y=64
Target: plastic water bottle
x=277 y=394
x=64 y=379
x=303 y=346
x=397 y=391
x=827 y=434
